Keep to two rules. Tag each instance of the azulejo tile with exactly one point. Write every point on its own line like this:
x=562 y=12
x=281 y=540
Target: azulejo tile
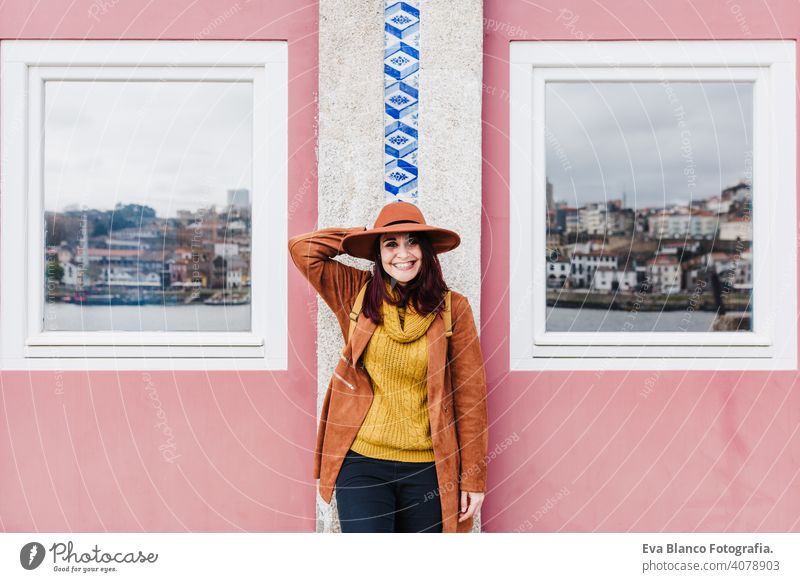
x=401 y=98
x=400 y=139
x=400 y=177
x=401 y=61
x=402 y=20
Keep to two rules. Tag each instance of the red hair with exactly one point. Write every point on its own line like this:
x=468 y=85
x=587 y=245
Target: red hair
x=425 y=291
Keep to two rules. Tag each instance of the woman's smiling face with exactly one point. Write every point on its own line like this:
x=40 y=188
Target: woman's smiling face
x=401 y=255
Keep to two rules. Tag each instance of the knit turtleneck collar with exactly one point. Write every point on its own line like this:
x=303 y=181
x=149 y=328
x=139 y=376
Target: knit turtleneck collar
x=414 y=326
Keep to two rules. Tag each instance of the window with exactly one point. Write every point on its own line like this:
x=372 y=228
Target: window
x=144 y=184
x=663 y=172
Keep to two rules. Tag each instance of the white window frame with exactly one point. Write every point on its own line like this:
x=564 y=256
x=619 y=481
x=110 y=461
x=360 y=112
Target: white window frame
x=770 y=65
x=26 y=66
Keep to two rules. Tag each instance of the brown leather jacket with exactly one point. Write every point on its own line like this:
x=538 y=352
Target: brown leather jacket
x=456 y=381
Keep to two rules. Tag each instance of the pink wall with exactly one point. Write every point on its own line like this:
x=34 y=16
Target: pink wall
x=82 y=452
x=703 y=451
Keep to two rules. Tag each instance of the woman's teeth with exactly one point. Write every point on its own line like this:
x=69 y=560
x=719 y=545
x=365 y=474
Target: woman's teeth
x=403 y=266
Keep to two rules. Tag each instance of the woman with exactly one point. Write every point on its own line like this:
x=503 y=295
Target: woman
x=403 y=429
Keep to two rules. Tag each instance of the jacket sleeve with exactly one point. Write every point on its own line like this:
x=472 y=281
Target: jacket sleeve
x=337 y=283
x=469 y=395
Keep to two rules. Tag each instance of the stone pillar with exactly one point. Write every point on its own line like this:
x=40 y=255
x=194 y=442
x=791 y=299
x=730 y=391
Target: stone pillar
x=355 y=125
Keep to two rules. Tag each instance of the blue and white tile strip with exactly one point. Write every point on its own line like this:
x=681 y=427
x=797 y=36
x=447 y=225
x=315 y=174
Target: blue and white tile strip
x=401 y=99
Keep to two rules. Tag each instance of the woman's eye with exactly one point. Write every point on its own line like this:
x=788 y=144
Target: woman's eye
x=411 y=241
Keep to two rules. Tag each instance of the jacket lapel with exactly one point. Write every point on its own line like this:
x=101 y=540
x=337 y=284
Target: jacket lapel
x=437 y=356
x=361 y=336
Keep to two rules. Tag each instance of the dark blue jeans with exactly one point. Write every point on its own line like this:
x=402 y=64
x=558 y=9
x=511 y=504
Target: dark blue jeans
x=374 y=495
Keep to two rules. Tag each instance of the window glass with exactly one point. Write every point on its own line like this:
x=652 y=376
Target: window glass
x=649 y=206
x=147 y=205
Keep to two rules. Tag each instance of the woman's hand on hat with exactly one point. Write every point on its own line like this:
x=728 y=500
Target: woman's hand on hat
x=471 y=502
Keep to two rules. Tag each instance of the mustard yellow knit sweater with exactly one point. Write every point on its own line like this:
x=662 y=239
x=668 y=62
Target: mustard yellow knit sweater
x=397 y=426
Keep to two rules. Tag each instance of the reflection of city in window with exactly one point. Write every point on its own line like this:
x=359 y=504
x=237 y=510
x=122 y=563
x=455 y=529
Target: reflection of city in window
x=147 y=206
x=649 y=206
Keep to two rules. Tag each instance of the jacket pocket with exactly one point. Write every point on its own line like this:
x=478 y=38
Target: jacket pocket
x=447 y=407
x=343 y=381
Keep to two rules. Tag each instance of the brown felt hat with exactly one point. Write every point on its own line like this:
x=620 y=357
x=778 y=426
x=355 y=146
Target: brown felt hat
x=399 y=217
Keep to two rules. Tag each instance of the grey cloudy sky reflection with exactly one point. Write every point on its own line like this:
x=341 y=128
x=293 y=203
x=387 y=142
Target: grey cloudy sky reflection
x=168 y=145
x=606 y=137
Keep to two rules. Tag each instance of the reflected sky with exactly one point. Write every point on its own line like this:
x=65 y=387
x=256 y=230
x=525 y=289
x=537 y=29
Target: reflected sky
x=168 y=145
x=660 y=143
